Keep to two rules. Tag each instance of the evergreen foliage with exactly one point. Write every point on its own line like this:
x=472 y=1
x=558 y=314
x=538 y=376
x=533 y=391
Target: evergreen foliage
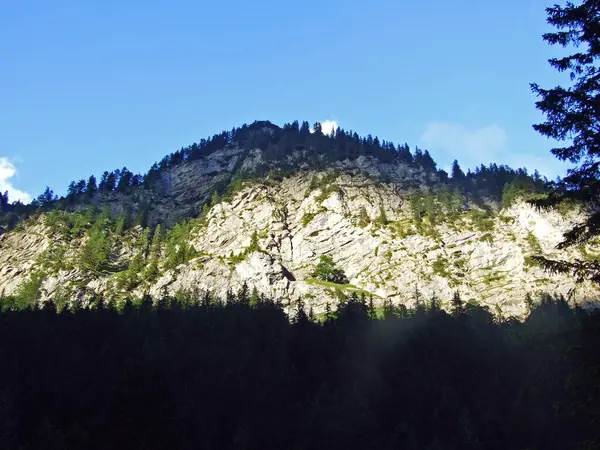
x=363 y=217
x=572 y=116
x=326 y=270
x=178 y=250
x=95 y=252
x=193 y=372
x=436 y=206
x=133 y=275
x=4 y=203
x=152 y=270
x=382 y=219
x=45 y=199
x=27 y=292
x=313 y=151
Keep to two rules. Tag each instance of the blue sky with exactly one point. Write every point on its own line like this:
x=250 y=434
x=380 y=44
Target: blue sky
x=91 y=86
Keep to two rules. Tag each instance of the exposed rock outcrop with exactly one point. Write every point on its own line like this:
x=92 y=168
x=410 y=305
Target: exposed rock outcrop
x=296 y=221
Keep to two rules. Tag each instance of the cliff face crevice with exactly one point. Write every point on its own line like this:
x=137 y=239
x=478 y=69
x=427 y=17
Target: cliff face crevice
x=270 y=233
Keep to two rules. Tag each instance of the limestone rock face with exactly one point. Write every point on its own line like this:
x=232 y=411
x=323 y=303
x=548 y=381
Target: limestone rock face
x=18 y=252
x=297 y=220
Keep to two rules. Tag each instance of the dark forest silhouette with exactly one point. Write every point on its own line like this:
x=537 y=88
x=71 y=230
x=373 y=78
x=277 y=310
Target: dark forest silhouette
x=202 y=373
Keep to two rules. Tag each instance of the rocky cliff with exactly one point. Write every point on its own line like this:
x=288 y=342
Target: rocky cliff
x=270 y=232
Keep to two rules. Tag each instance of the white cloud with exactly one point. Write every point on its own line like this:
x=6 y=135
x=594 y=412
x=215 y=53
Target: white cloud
x=7 y=171
x=460 y=142
x=475 y=146
x=327 y=126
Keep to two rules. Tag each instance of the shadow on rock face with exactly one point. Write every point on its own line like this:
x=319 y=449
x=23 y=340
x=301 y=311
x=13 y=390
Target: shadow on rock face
x=286 y=273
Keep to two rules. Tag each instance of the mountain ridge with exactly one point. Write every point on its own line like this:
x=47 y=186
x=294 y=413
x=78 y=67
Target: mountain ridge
x=308 y=147
x=263 y=213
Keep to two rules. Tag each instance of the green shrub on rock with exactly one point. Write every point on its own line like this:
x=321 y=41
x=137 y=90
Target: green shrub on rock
x=326 y=270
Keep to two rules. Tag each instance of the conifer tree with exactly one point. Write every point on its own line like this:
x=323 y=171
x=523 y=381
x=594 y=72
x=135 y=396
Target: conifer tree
x=458 y=307
x=155 y=253
x=142 y=213
x=363 y=217
x=253 y=247
x=4 y=201
x=204 y=212
x=95 y=252
x=573 y=116
x=243 y=295
x=123 y=221
x=92 y=187
x=46 y=198
x=382 y=219
x=215 y=199
x=300 y=316
x=230 y=297
x=389 y=312
x=254 y=298
x=71 y=190
x=90 y=213
x=104 y=220
x=206 y=299
x=457 y=174
x=371 y=309
x=80 y=187
x=103 y=182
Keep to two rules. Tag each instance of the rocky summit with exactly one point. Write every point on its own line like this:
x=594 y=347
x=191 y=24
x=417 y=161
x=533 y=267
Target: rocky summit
x=261 y=206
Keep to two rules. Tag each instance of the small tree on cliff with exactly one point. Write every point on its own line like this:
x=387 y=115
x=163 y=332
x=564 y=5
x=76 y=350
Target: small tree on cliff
x=326 y=270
